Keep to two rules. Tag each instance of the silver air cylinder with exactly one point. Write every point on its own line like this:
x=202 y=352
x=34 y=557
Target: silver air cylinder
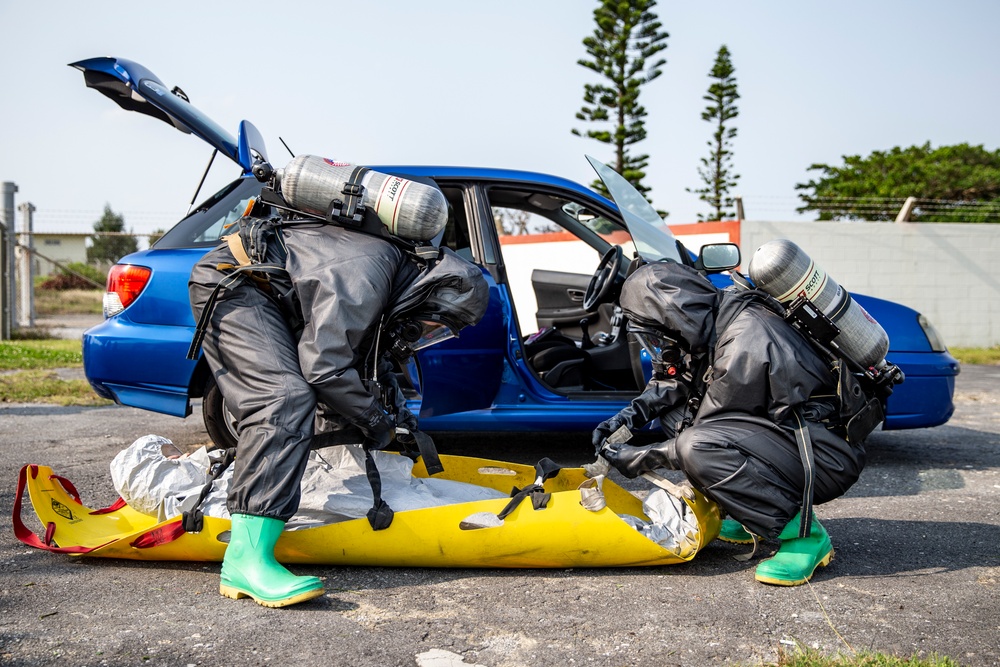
x=407 y=208
x=785 y=271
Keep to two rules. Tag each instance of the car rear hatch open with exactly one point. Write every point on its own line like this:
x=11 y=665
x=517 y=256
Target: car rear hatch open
x=135 y=88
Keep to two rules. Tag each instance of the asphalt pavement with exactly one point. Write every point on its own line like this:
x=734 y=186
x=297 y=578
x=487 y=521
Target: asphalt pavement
x=917 y=571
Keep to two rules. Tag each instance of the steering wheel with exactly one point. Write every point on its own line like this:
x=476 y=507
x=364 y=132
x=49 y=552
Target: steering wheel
x=603 y=278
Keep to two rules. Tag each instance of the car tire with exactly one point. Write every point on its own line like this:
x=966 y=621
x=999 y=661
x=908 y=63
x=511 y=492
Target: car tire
x=219 y=421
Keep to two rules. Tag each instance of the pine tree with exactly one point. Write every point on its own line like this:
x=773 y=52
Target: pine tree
x=628 y=34
x=108 y=249
x=716 y=170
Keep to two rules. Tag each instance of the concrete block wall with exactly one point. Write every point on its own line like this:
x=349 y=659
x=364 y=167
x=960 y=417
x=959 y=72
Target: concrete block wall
x=945 y=271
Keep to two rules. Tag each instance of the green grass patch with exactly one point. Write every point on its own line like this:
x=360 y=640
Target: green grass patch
x=989 y=356
x=811 y=658
x=45 y=386
x=35 y=354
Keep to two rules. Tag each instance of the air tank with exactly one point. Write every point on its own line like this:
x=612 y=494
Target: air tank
x=407 y=208
x=785 y=271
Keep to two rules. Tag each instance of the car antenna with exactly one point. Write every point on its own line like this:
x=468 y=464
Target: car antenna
x=286 y=146
x=202 y=181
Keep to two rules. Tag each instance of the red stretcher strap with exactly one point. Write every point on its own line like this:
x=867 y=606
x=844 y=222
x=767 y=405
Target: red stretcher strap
x=113 y=507
x=68 y=487
x=158 y=536
x=24 y=534
x=153 y=538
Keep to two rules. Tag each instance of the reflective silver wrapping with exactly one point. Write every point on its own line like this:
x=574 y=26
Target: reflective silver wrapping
x=408 y=209
x=785 y=271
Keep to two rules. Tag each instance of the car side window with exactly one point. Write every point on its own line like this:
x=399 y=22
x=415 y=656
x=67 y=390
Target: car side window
x=456 y=232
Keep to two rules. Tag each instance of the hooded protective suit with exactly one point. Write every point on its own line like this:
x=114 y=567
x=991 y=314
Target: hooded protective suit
x=732 y=409
x=272 y=379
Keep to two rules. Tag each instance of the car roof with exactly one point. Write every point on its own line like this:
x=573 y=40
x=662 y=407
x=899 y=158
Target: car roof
x=491 y=174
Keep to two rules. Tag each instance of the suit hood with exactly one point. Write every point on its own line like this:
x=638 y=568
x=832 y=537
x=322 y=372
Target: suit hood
x=672 y=298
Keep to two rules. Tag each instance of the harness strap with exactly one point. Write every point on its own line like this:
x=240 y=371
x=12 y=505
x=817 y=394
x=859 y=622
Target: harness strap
x=235 y=243
x=808 y=469
x=228 y=282
x=351 y=210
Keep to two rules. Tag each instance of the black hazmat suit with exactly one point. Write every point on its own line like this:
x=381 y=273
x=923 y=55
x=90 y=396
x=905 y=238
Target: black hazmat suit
x=751 y=370
x=272 y=378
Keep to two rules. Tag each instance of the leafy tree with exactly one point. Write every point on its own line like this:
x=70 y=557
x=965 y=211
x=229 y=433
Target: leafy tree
x=111 y=242
x=156 y=235
x=950 y=183
x=716 y=171
x=627 y=36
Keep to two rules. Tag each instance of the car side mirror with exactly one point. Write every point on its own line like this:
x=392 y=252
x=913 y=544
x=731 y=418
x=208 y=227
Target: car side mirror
x=718 y=257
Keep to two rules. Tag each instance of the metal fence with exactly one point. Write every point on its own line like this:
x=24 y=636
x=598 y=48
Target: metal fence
x=21 y=261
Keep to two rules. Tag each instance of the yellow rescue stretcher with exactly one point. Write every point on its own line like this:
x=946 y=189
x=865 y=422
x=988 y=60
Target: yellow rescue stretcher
x=562 y=534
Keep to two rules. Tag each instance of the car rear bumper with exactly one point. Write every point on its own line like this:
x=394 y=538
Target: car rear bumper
x=926 y=393
x=120 y=355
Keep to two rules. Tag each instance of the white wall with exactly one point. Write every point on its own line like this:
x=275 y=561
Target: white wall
x=63 y=248
x=943 y=270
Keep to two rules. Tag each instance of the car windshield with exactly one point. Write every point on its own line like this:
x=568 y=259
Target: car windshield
x=653 y=239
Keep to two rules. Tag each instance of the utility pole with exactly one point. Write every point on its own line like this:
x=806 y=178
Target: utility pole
x=26 y=268
x=7 y=259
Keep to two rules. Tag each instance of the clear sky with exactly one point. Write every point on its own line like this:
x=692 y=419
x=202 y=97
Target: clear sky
x=478 y=82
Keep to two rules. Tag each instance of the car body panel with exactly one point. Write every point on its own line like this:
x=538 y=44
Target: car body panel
x=479 y=381
x=464 y=373
x=138 y=365
x=249 y=145
x=135 y=88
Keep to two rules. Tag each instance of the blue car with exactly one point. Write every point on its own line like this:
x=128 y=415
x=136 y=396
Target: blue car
x=550 y=354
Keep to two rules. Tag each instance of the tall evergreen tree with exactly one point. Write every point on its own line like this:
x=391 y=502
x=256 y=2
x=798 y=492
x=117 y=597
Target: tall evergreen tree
x=108 y=249
x=627 y=36
x=716 y=170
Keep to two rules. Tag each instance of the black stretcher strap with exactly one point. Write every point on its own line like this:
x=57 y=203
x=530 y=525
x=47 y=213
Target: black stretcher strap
x=380 y=515
x=545 y=469
x=193 y=520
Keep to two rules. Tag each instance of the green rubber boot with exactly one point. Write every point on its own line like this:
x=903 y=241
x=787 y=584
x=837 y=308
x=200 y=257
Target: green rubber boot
x=733 y=531
x=797 y=557
x=250 y=570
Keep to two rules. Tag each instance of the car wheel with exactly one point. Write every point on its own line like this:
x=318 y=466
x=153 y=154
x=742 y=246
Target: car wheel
x=219 y=421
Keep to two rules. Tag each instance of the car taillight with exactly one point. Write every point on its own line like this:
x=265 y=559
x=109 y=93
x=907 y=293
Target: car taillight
x=125 y=284
x=933 y=337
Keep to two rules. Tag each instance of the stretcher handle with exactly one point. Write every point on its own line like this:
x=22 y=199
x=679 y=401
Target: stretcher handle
x=25 y=534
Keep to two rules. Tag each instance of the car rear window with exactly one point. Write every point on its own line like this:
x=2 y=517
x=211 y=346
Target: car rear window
x=213 y=217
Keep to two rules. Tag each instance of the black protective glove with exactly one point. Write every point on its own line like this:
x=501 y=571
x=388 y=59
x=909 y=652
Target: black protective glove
x=406 y=419
x=603 y=430
x=633 y=461
x=660 y=397
x=377 y=427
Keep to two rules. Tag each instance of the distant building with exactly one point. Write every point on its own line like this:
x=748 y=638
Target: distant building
x=63 y=248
